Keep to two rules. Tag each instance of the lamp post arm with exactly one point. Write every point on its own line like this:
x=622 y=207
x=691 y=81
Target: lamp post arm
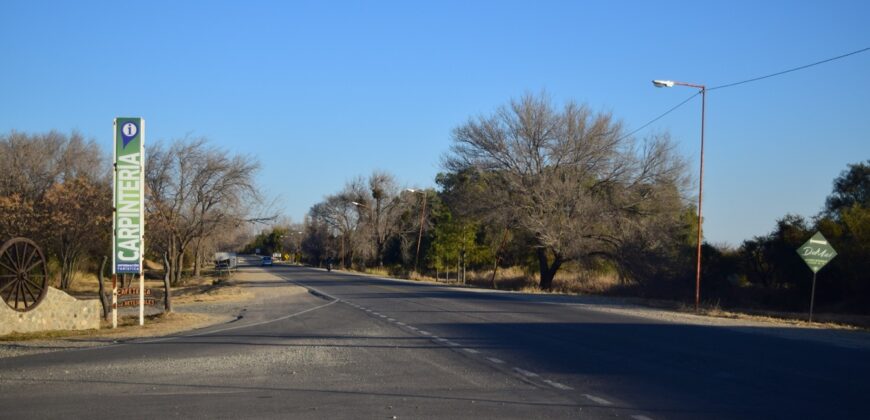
x=702 y=87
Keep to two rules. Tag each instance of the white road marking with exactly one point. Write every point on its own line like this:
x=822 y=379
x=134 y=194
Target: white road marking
x=598 y=400
x=440 y=340
x=525 y=373
x=450 y=343
x=472 y=351
x=235 y=327
x=640 y=417
x=391 y=320
x=496 y=361
x=425 y=332
x=382 y=316
x=402 y=324
x=557 y=385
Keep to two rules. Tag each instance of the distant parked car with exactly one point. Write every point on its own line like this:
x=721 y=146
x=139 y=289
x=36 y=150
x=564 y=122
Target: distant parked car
x=266 y=261
x=225 y=261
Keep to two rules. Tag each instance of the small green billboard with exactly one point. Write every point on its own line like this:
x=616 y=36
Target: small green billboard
x=817 y=252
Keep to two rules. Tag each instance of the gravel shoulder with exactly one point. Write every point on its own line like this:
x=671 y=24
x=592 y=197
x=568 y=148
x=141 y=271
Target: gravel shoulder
x=191 y=311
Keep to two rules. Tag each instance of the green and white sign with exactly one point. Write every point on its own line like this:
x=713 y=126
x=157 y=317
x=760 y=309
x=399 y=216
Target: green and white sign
x=817 y=252
x=128 y=243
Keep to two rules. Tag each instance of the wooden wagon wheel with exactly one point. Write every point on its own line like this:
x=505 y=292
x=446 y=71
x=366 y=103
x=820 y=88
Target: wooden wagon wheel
x=23 y=274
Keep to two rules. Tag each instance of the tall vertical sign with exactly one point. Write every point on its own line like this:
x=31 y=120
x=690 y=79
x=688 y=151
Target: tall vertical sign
x=128 y=223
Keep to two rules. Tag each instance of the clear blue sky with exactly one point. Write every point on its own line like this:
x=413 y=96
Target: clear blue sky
x=323 y=91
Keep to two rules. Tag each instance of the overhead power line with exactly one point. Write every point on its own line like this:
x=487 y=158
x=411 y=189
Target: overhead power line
x=754 y=79
x=661 y=116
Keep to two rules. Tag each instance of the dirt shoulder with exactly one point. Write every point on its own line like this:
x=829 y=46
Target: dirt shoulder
x=194 y=307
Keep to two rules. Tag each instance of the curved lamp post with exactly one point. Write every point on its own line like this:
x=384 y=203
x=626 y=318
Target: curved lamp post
x=374 y=225
x=703 y=90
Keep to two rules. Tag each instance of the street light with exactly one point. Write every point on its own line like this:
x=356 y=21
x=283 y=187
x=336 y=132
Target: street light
x=703 y=90
x=420 y=236
x=374 y=226
x=296 y=243
x=663 y=83
x=280 y=245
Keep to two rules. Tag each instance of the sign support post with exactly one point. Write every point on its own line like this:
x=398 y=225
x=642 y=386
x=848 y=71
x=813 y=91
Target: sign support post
x=128 y=221
x=114 y=301
x=141 y=299
x=812 y=298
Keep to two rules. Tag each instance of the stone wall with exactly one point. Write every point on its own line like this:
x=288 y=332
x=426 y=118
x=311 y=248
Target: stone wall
x=58 y=311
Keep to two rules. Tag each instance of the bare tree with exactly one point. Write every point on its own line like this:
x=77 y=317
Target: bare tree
x=381 y=211
x=366 y=215
x=339 y=214
x=568 y=176
x=316 y=240
x=31 y=164
x=78 y=217
x=55 y=190
x=194 y=191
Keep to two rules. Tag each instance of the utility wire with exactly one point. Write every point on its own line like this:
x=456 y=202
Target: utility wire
x=662 y=115
x=744 y=82
x=789 y=70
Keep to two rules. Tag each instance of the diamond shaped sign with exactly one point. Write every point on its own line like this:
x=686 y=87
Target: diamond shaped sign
x=817 y=252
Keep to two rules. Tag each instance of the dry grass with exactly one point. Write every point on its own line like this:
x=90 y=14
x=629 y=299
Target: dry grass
x=824 y=320
x=157 y=325
x=518 y=279
x=565 y=282
x=197 y=289
x=46 y=335
x=377 y=271
x=419 y=277
x=86 y=283
x=221 y=291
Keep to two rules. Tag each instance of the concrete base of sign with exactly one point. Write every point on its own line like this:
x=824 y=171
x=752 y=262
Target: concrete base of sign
x=58 y=311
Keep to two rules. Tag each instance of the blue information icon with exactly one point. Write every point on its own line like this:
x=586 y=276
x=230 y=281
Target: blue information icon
x=128 y=132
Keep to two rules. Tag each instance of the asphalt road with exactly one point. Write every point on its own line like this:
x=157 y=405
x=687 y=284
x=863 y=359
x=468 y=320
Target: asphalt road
x=362 y=347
